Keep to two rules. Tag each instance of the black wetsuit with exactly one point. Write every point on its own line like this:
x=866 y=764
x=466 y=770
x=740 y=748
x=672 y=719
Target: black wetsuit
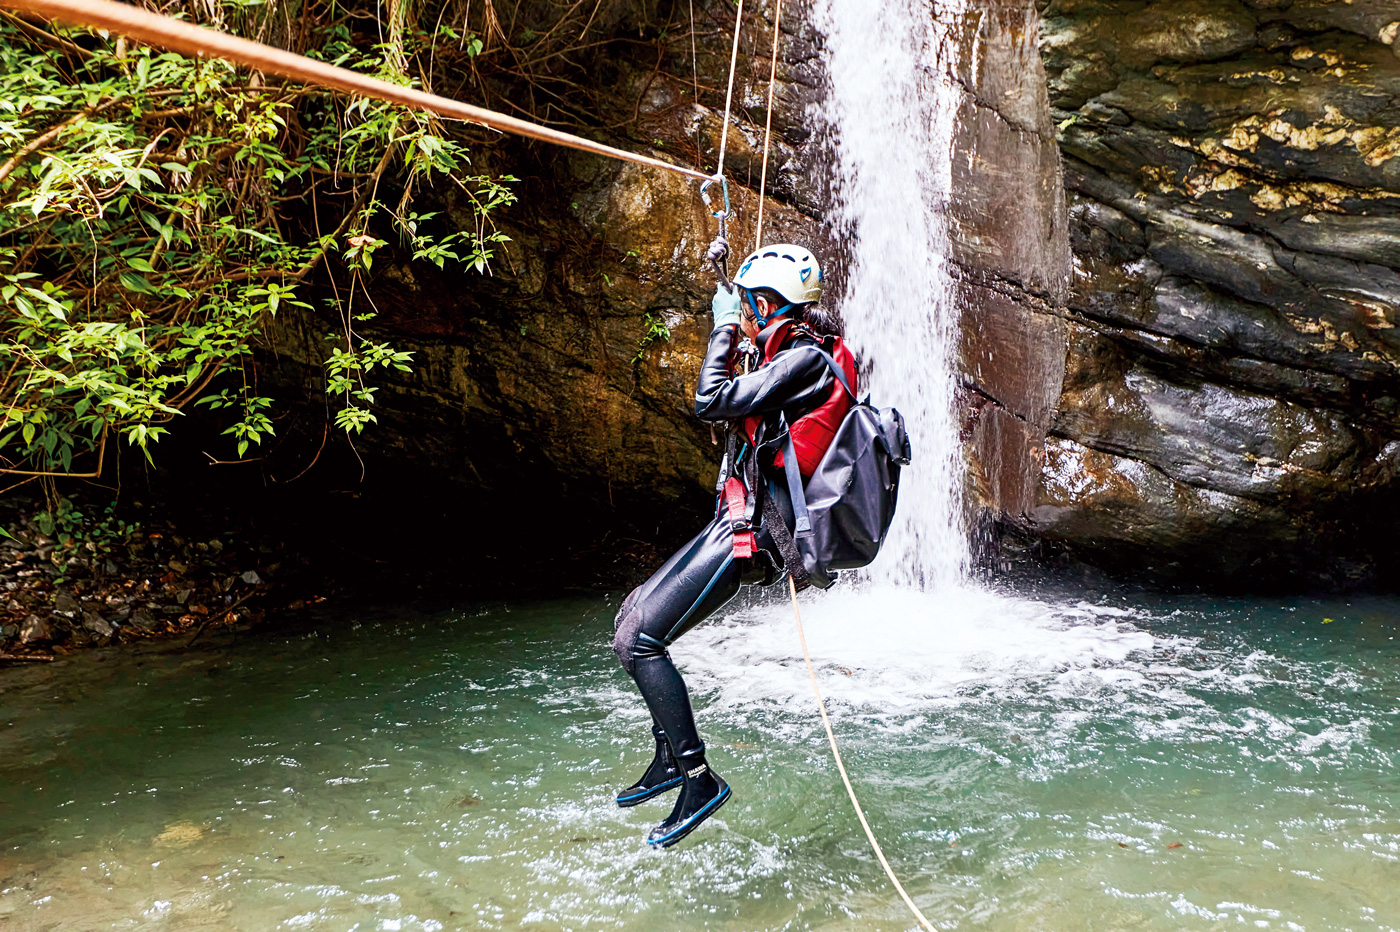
x=704 y=574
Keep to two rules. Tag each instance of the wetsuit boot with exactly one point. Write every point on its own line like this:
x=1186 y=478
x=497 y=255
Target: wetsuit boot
x=701 y=796
x=663 y=774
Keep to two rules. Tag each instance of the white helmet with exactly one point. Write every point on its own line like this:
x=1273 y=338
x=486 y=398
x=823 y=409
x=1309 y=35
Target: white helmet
x=791 y=271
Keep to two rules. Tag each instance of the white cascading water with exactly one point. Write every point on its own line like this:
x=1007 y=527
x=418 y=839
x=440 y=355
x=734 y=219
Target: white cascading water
x=889 y=117
x=918 y=635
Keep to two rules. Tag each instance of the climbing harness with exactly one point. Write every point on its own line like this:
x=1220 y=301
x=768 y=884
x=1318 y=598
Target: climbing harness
x=740 y=522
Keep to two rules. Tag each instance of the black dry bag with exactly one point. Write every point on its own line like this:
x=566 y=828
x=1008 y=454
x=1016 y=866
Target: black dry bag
x=843 y=515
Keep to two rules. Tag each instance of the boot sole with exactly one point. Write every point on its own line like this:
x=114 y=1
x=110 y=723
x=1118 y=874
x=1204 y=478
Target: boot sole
x=627 y=802
x=694 y=822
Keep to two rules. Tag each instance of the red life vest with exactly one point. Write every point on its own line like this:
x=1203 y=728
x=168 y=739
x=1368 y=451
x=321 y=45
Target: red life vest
x=811 y=433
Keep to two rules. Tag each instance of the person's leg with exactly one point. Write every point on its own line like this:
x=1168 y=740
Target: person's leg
x=689 y=587
x=694 y=583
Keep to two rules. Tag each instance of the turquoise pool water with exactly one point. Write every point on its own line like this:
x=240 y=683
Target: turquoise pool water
x=1030 y=763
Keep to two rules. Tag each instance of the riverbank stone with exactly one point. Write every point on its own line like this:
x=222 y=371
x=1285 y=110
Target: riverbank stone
x=33 y=629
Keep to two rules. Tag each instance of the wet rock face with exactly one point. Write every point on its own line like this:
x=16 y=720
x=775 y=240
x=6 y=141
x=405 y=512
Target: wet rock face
x=1010 y=247
x=562 y=384
x=1229 y=413
x=553 y=400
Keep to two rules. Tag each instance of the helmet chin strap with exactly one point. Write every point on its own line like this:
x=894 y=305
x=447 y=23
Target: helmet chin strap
x=758 y=315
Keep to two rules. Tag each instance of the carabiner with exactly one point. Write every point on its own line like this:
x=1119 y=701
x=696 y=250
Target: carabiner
x=705 y=194
x=721 y=266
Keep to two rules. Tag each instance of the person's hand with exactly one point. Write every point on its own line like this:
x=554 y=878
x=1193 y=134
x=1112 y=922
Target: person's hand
x=718 y=250
x=725 y=307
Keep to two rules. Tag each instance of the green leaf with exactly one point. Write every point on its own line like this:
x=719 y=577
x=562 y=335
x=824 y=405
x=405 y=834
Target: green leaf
x=135 y=283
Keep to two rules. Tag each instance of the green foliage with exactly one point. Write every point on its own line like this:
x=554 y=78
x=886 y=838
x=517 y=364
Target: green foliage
x=72 y=528
x=654 y=330
x=159 y=211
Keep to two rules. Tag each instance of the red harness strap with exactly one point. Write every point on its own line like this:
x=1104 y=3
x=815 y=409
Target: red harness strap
x=734 y=497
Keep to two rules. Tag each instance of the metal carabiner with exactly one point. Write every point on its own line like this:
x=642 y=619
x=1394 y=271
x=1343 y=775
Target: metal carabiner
x=721 y=265
x=705 y=194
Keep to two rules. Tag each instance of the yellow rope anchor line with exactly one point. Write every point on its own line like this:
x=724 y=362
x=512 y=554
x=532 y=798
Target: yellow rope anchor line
x=166 y=32
x=850 y=791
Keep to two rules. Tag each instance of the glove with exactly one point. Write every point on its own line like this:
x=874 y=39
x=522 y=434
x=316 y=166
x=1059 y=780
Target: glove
x=725 y=307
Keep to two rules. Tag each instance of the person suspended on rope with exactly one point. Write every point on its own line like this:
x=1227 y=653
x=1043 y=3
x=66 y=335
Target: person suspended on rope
x=765 y=376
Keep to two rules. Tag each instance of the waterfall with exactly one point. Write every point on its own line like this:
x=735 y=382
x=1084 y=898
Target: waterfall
x=888 y=120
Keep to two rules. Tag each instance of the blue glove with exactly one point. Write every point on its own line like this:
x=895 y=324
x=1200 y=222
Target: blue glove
x=725 y=307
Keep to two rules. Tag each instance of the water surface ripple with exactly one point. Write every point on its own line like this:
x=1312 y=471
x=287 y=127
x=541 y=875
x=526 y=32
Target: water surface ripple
x=1030 y=764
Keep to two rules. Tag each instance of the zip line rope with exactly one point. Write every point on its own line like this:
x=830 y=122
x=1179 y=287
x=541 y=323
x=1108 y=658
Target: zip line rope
x=768 y=126
x=176 y=35
x=850 y=791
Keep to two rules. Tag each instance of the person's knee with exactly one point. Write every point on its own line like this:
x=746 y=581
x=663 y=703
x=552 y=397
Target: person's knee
x=625 y=629
x=631 y=642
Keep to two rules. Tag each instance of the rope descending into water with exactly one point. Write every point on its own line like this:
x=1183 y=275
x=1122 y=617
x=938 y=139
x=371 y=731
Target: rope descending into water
x=768 y=125
x=850 y=791
x=792 y=586
x=166 y=32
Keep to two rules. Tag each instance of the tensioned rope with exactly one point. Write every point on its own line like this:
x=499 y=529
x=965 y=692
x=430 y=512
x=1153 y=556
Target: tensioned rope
x=850 y=791
x=768 y=125
x=694 y=75
x=166 y=32
x=729 y=93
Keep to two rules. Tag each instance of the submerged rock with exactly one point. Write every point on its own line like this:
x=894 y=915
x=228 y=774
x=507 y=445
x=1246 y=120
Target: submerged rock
x=181 y=834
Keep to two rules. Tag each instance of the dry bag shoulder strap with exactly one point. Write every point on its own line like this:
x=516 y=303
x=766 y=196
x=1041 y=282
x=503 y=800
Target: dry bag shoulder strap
x=837 y=370
x=801 y=517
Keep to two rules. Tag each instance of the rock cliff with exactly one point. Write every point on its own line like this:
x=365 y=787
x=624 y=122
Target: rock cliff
x=1229 y=413
x=1011 y=254
x=562 y=382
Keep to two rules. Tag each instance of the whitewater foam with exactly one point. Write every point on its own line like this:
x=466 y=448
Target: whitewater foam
x=893 y=650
